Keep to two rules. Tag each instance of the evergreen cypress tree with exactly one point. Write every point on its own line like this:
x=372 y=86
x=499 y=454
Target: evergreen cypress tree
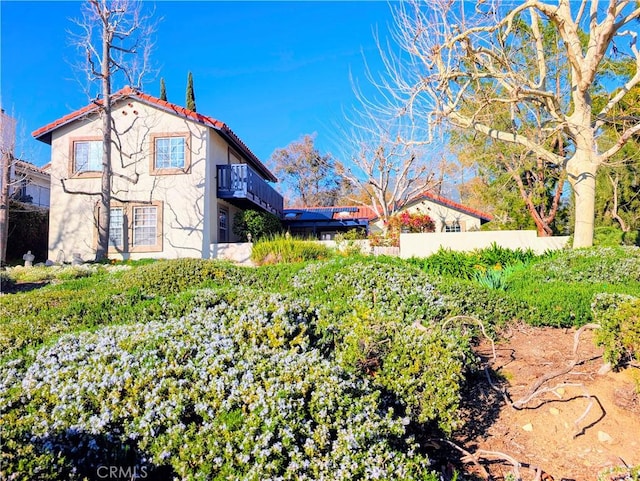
x=191 y=97
x=163 y=90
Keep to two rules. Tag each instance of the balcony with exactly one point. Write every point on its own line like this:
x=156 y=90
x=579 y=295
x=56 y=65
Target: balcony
x=240 y=185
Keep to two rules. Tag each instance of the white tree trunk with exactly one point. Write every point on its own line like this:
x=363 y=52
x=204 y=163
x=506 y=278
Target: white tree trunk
x=582 y=176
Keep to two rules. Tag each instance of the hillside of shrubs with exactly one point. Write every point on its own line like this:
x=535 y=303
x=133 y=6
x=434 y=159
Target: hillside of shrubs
x=337 y=368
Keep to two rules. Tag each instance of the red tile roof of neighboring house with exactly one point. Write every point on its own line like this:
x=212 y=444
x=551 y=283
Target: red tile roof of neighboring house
x=449 y=203
x=44 y=133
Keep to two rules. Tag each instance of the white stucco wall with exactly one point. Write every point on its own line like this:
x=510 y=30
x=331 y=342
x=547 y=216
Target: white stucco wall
x=423 y=245
x=72 y=226
x=239 y=252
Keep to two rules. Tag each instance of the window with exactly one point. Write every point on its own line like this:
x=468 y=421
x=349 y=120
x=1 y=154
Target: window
x=452 y=227
x=87 y=156
x=223 y=216
x=145 y=226
x=135 y=227
x=116 y=228
x=170 y=153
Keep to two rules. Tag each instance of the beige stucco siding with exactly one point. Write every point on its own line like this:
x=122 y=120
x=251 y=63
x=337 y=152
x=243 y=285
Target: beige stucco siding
x=441 y=216
x=180 y=195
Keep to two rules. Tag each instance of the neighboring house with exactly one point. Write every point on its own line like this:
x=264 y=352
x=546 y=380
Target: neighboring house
x=325 y=222
x=179 y=177
x=448 y=216
x=30 y=184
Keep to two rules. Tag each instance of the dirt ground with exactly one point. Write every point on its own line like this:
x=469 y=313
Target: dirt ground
x=578 y=431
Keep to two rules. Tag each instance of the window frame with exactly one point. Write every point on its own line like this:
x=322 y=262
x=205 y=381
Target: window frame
x=223 y=210
x=452 y=227
x=123 y=229
x=72 y=157
x=185 y=169
x=128 y=210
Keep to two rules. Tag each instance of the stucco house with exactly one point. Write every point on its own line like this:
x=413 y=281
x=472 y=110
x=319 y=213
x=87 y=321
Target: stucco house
x=448 y=215
x=179 y=177
x=30 y=184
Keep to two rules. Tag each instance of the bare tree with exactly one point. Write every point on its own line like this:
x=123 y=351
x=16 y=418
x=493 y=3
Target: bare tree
x=114 y=40
x=381 y=167
x=7 y=145
x=457 y=62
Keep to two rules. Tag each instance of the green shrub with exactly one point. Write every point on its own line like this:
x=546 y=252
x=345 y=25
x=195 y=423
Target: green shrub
x=609 y=236
x=374 y=333
x=238 y=391
x=619 y=319
x=631 y=238
x=274 y=250
x=29 y=319
x=503 y=257
x=6 y=281
x=172 y=276
x=491 y=306
x=257 y=223
x=612 y=265
x=467 y=265
x=348 y=243
x=63 y=273
x=29 y=229
x=447 y=262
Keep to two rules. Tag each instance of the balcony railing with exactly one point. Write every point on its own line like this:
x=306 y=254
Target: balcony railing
x=242 y=183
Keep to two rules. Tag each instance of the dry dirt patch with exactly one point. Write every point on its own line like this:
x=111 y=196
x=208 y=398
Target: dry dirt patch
x=577 y=432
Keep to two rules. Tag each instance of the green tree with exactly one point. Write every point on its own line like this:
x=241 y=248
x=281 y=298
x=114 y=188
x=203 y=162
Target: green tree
x=191 y=96
x=257 y=223
x=163 y=90
x=618 y=182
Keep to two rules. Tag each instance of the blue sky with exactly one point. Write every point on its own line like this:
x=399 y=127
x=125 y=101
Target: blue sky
x=273 y=71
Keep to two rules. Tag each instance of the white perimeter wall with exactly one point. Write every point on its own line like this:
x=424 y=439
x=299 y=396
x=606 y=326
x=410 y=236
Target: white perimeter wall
x=423 y=245
x=237 y=252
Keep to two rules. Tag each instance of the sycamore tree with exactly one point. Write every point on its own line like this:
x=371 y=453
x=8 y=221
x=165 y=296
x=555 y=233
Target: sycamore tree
x=113 y=38
x=459 y=60
x=385 y=171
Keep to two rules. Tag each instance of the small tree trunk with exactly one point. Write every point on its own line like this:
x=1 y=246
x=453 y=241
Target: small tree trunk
x=5 y=171
x=104 y=205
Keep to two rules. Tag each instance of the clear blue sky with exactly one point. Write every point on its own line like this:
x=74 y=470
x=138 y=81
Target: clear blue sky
x=272 y=71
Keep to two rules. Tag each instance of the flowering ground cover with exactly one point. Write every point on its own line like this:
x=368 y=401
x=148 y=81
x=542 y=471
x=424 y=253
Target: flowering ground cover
x=245 y=384
x=340 y=369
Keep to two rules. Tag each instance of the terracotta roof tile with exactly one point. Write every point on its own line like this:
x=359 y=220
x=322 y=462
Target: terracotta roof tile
x=450 y=203
x=43 y=133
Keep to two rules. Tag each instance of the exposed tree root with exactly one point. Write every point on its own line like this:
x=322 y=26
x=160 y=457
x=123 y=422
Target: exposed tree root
x=484 y=455
x=538 y=389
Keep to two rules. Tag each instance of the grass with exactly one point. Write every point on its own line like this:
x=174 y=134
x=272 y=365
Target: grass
x=286 y=249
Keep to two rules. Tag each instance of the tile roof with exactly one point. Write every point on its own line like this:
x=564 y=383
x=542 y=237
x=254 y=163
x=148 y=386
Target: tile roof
x=339 y=212
x=28 y=166
x=44 y=133
x=449 y=203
